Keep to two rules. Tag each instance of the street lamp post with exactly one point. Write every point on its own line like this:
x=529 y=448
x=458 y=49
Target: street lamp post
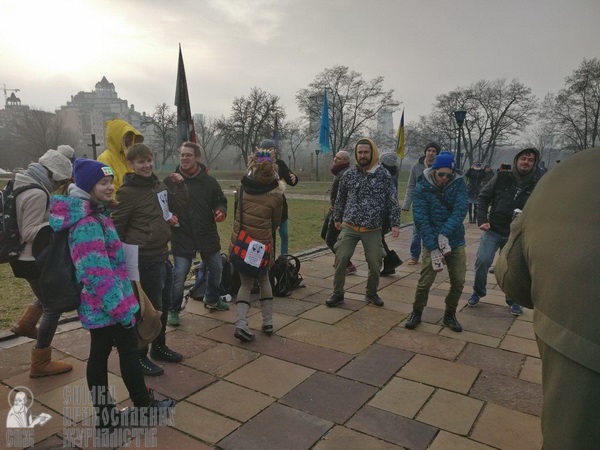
x=317 y=153
x=459 y=115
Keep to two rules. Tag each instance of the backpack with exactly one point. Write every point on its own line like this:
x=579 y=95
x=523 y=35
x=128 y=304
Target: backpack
x=230 y=279
x=285 y=275
x=10 y=242
x=61 y=292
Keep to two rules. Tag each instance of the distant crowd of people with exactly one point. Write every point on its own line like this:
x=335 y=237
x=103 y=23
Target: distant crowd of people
x=119 y=201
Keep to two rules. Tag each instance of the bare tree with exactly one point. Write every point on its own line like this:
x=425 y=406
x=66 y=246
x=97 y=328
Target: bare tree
x=575 y=110
x=542 y=136
x=252 y=119
x=163 y=123
x=353 y=104
x=208 y=138
x=295 y=133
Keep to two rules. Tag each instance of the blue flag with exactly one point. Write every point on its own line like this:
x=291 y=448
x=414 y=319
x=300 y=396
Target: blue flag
x=324 y=132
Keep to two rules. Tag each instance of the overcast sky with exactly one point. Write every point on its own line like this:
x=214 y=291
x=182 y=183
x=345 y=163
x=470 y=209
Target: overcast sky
x=51 y=50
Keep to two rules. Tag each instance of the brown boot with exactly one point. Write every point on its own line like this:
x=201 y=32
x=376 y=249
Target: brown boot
x=42 y=366
x=26 y=325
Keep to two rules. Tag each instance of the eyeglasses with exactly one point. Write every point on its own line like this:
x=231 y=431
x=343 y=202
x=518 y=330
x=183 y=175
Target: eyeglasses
x=444 y=174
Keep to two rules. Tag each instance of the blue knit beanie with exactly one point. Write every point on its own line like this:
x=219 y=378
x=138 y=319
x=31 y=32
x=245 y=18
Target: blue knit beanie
x=88 y=172
x=444 y=159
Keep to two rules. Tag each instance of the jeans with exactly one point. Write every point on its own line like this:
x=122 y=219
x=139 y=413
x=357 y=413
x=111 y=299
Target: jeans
x=284 y=238
x=102 y=341
x=157 y=282
x=49 y=322
x=456 y=263
x=344 y=249
x=415 y=244
x=488 y=246
x=214 y=270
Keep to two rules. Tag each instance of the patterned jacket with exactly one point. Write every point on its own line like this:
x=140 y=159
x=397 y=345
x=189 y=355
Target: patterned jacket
x=107 y=297
x=431 y=215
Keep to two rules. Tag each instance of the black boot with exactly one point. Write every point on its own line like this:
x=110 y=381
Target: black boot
x=414 y=319
x=164 y=353
x=451 y=322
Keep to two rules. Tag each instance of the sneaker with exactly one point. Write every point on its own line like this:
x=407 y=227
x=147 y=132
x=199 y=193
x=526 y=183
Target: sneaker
x=267 y=329
x=473 y=300
x=413 y=261
x=351 y=269
x=451 y=322
x=515 y=309
x=174 y=319
x=243 y=335
x=164 y=353
x=335 y=300
x=413 y=320
x=149 y=368
x=220 y=305
x=374 y=299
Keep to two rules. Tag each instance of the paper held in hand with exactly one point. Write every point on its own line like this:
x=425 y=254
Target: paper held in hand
x=255 y=253
x=131 y=260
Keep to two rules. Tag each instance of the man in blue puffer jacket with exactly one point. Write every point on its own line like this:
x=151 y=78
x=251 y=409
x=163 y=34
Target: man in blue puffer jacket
x=440 y=205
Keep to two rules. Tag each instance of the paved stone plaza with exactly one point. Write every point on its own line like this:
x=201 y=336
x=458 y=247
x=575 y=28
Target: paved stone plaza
x=343 y=378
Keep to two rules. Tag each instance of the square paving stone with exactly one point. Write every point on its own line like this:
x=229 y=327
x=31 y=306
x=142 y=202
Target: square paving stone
x=532 y=370
x=232 y=400
x=270 y=376
x=492 y=359
x=476 y=338
x=193 y=323
x=520 y=345
x=422 y=342
x=398 y=292
x=509 y=392
x=450 y=411
x=393 y=428
x=376 y=365
x=221 y=359
x=341 y=438
x=402 y=397
x=178 y=381
x=372 y=321
x=171 y=438
x=278 y=427
x=291 y=306
x=201 y=423
x=328 y=396
x=188 y=344
x=76 y=343
x=449 y=441
x=17 y=360
x=438 y=372
x=308 y=355
x=507 y=429
x=522 y=329
x=325 y=314
x=487 y=319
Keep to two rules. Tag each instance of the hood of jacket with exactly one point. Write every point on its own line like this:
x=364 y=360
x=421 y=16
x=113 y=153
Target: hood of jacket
x=251 y=186
x=428 y=177
x=374 y=156
x=116 y=130
x=523 y=179
x=67 y=210
x=132 y=179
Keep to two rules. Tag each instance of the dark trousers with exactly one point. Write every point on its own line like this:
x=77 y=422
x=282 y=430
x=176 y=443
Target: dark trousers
x=103 y=340
x=157 y=282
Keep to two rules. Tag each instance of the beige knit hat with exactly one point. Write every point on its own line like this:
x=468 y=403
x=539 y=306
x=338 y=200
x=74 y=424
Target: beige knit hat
x=59 y=165
x=66 y=150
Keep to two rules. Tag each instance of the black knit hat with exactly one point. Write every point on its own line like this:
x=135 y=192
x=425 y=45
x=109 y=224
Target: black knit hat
x=437 y=147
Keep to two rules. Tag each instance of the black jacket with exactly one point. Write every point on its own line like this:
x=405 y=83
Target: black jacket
x=197 y=229
x=284 y=174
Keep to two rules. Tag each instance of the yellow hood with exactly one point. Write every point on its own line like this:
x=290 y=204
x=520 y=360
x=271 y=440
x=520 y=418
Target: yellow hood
x=114 y=155
x=374 y=155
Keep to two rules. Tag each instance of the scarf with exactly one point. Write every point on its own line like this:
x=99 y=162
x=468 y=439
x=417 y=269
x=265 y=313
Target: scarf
x=40 y=174
x=337 y=167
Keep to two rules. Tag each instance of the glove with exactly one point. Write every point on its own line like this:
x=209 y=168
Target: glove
x=444 y=245
x=437 y=260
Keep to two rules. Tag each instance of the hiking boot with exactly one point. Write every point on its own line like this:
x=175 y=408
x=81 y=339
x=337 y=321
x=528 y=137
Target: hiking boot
x=335 y=300
x=220 y=305
x=149 y=368
x=243 y=335
x=451 y=322
x=351 y=269
x=413 y=320
x=473 y=299
x=174 y=319
x=164 y=353
x=413 y=261
x=267 y=329
x=515 y=309
x=374 y=299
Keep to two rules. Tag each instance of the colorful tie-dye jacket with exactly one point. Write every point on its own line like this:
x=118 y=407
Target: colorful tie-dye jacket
x=107 y=297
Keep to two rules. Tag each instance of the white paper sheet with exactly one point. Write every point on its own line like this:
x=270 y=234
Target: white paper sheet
x=131 y=259
x=255 y=252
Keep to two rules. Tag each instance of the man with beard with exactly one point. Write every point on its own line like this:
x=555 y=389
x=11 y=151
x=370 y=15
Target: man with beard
x=365 y=193
x=506 y=192
x=197 y=231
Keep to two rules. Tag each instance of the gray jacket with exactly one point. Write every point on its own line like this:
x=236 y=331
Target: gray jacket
x=415 y=173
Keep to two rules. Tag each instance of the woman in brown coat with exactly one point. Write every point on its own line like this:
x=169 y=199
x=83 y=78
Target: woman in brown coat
x=262 y=203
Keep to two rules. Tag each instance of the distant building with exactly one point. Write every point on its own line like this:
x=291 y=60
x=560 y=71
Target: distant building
x=385 y=137
x=87 y=113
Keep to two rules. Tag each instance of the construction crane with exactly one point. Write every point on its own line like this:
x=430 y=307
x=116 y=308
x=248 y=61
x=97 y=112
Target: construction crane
x=8 y=90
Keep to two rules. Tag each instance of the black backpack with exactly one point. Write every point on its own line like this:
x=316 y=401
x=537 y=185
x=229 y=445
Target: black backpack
x=230 y=279
x=285 y=275
x=10 y=242
x=60 y=290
